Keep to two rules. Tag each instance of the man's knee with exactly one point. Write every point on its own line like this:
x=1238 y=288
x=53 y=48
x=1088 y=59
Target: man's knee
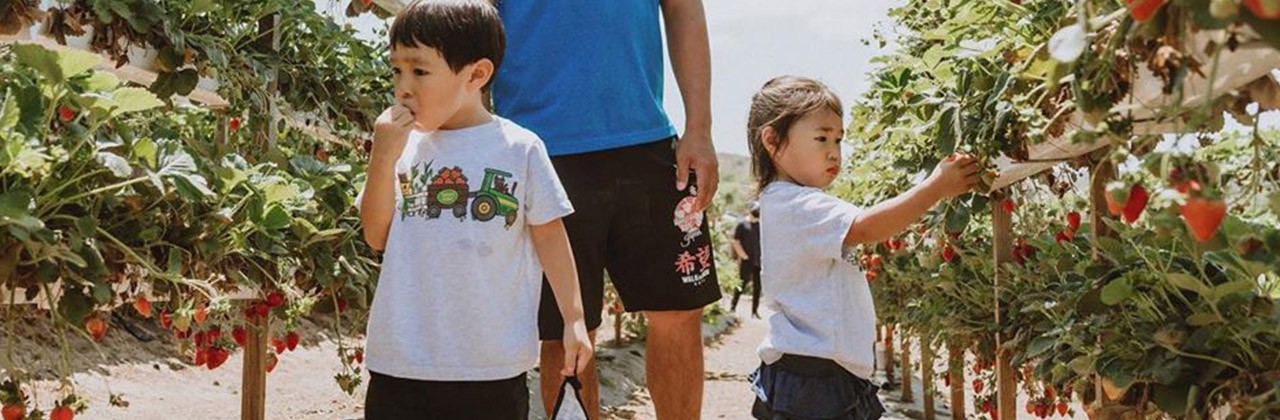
x=674 y=319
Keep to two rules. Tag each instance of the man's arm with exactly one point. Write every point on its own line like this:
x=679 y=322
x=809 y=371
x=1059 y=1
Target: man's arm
x=690 y=52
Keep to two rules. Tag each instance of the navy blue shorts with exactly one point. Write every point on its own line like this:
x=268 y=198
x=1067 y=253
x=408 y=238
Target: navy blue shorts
x=811 y=388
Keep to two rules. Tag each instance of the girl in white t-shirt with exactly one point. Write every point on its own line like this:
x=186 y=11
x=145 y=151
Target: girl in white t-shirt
x=818 y=354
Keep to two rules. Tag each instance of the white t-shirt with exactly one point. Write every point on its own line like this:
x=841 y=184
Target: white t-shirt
x=457 y=299
x=821 y=301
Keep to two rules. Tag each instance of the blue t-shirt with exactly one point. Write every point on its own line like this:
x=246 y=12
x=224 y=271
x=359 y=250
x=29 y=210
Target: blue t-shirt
x=585 y=75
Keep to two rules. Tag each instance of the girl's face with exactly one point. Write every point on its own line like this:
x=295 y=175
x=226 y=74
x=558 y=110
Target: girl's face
x=811 y=156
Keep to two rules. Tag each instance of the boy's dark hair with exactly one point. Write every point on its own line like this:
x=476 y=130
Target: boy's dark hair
x=779 y=104
x=464 y=31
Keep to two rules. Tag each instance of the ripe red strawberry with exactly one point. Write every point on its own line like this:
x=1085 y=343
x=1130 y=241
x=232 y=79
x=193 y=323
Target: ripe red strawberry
x=1016 y=252
x=261 y=309
x=217 y=356
x=1049 y=393
x=279 y=345
x=275 y=299
x=1137 y=203
x=1008 y=205
x=234 y=124
x=202 y=357
x=1031 y=408
x=166 y=320
x=872 y=275
x=987 y=406
x=291 y=339
x=272 y=360
x=214 y=333
x=946 y=379
x=201 y=339
x=1143 y=10
x=1041 y=410
x=977 y=387
x=96 y=327
x=1259 y=9
x=62 y=413
x=1203 y=217
x=14 y=412
x=360 y=356
x=948 y=253
x=240 y=335
x=143 y=306
x=66 y=114
x=342 y=305
x=1062 y=409
x=876 y=261
x=1061 y=237
x=1073 y=220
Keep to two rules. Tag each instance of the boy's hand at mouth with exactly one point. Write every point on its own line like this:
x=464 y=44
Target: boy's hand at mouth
x=391 y=131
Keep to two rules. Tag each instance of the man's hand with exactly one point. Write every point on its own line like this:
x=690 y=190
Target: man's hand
x=577 y=348
x=695 y=151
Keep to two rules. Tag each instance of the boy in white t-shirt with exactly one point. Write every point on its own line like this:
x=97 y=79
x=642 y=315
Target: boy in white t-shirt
x=468 y=210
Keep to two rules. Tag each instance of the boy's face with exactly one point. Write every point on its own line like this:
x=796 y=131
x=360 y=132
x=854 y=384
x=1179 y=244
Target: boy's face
x=426 y=85
x=812 y=156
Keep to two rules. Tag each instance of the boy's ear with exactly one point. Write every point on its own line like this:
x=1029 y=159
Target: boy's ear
x=481 y=73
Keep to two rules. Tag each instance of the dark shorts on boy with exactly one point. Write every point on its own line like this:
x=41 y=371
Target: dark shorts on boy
x=630 y=220
x=392 y=398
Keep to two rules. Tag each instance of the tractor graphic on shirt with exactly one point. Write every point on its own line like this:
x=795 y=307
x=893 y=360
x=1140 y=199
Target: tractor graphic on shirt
x=449 y=190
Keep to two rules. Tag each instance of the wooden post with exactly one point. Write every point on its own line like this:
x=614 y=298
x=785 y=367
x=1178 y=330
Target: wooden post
x=617 y=329
x=253 y=385
x=1099 y=176
x=908 y=394
x=926 y=375
x=888 y=353
x=955 y=369
x=1006 y=382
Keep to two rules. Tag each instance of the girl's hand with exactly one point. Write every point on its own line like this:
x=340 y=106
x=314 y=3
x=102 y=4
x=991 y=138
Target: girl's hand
x=955 y=175
x=577 y=348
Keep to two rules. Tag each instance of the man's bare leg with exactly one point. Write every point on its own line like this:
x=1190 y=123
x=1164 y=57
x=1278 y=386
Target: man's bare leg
x=551 y=361
x=673 y=363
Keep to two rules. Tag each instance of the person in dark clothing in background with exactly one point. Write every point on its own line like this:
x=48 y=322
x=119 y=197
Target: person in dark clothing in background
x=746 y=246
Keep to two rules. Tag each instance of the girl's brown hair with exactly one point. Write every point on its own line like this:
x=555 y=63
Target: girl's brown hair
x=779 y=104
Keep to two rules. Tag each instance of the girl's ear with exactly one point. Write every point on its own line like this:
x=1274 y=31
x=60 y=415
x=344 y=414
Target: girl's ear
x=769 y=138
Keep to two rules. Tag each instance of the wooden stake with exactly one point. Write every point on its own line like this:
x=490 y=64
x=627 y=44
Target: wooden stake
x=1006 y=382
x=253 y=385
x=926 y=374
x=955 y=367
x=888 y=353
x=908 y=394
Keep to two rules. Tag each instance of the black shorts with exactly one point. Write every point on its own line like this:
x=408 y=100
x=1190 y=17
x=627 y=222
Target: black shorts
x=628 y=219
x=392 y=398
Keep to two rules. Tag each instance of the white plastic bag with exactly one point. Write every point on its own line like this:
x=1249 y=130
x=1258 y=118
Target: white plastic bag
x=569 y=404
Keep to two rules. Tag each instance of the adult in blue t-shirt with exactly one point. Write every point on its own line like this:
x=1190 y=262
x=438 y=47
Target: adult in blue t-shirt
x=587 y=77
